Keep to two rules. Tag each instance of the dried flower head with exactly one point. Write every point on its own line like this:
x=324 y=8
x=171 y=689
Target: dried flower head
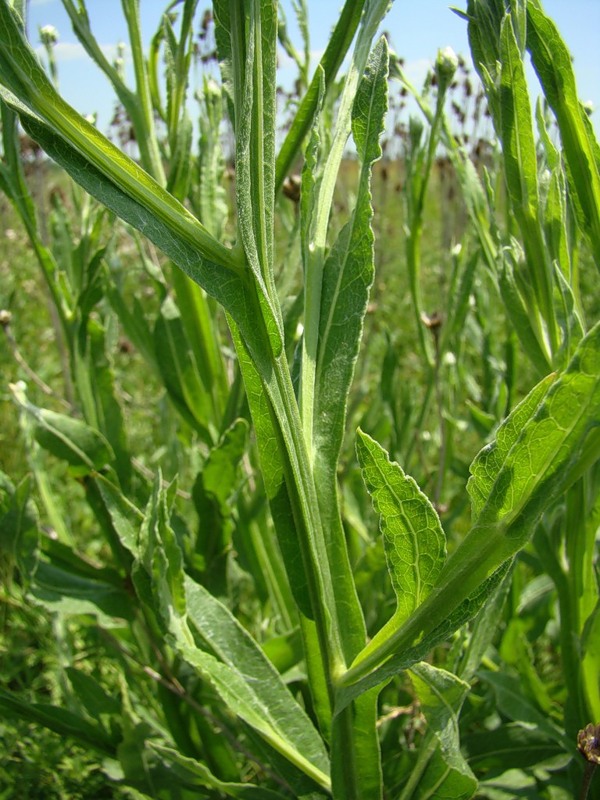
x=588 y=743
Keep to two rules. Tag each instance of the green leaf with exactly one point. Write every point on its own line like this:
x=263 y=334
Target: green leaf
x=414 y=542
x=59 y=720
x=441 y=695
x=337 y=47
x=212 y=197
x=553 y=64
x=82 y=447
x=19 y=525
x=194 y=773
x=516 y=744
x=67 y=584
x=520 y=161
x=539 y=450
x=65 y=129
x=484 y=628
x=230 y=288
x=543 y=447
x=486 y=466
x=516 y=706
x=93 y=697
x=520 y=165
x=217 y=481
x=273 y=474
x=358 y=679
x=248 y=42
x=125 y=518
x=220 y=472
x=161 y=557
x=520 y=317
x=94 y=373
x=347 y=278
x=247 y=682
x=180 y=373
x=287 y=517
x=443 y=780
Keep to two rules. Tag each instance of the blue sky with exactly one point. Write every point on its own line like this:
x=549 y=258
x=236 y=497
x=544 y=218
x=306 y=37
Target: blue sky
x=417 y=29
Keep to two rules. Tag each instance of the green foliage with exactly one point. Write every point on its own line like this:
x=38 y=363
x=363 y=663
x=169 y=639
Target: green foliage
x=187 y=530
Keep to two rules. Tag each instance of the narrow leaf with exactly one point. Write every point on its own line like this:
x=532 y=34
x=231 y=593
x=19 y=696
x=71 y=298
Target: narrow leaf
x=553 y=64
x=337 y=47
x=247 y=682
x=179 y=371
x=22 y=75
x=191 y=772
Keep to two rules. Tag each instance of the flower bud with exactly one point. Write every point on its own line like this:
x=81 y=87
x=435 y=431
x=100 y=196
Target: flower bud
x=446 y=65
x=48 y=35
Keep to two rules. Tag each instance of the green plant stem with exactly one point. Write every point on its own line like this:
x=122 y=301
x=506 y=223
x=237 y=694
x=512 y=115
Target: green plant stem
x=590 y=769
x=426 y=751
x=315 y=551
x=413 y=240
x=149 y=142
x=336 y=50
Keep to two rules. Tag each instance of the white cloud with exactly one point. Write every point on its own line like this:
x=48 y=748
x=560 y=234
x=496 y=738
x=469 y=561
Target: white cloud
x=74 y=51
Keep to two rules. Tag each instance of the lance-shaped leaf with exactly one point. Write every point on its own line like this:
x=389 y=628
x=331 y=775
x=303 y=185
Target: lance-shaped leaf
x=351 y=687
x=545 y=445
x=19 y=524
x=191 y=772
x=337 y=47
x=119 y=183
x=180 y=371
x=520 y=162
x=22 y=75
x=247 y=39
x=247 y=682
x=66 y=583
x=413 y=539
x=285 y=516
x=347 y=278
x=61 y=721
x=518 y=145
x=206 y=635
x=216 y=483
